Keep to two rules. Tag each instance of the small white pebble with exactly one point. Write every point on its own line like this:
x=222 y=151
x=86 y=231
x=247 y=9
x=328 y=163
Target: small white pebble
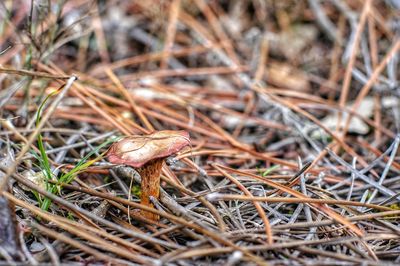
x=157 y=262
x=235 y=257
x=148 y=81
x=213 y=196
x=144 y=93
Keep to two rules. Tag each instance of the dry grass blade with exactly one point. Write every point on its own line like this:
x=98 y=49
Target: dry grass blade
x=23 y=72
x=219 y=196
x=82 y=233
x=260 y=210
x=321 y=207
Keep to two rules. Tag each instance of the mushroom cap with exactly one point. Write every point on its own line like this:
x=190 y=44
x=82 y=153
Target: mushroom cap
x=136 y=151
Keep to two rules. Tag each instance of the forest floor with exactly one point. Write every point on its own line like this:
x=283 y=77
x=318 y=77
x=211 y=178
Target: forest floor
x=293 y=113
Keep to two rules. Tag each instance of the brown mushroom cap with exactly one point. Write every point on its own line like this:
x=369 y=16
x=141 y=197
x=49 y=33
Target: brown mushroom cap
x=136 y=151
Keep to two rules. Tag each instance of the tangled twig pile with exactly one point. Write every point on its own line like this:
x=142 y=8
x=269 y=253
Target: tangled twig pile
x=292 y=109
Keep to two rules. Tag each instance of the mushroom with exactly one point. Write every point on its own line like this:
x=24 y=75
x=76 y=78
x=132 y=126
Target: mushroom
x=147 y=154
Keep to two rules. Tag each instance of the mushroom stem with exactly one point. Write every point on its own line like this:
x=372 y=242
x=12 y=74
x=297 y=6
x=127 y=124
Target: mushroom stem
x=150 y=185
x=146 y=154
